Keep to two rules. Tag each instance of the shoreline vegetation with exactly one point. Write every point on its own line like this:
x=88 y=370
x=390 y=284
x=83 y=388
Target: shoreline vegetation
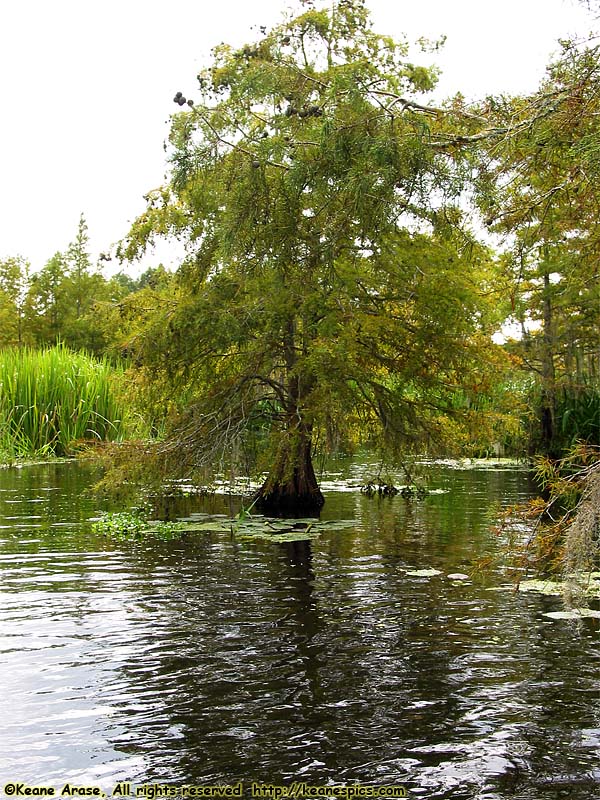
x=54 y=402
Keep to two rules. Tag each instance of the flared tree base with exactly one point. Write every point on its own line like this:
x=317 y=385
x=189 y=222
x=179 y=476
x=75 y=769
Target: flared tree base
x=282 y=503
x=291 y=490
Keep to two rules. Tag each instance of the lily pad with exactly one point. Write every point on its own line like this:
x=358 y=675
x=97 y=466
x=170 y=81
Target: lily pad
x=131 y=525
x=422 y=573
x=331 y=525
x=574 y=613
x=584 y=584
x=287 y=530
x=458 y=576
x=542 y=587
x=210 y=526
x=278 y=537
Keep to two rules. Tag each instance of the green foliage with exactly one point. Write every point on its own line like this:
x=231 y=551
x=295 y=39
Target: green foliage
x=49 y=301
x=14 y=274
x=332 y=291
x=126 y=525
x=120 y=524
x=67 y=301
x=538 y=180
x=578 y=415
x=565 y=520
x=79 y=264
x=52 y=399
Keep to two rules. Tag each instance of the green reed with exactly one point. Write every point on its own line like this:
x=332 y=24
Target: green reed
x=51 y=399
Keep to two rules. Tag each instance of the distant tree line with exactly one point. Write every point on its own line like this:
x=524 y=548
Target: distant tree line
x=68 y=300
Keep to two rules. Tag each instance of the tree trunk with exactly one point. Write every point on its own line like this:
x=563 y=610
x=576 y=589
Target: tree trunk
x=291 y=489
x=548 y=398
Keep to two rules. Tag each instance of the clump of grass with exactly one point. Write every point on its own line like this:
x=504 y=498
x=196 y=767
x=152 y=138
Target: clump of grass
x=53 y=398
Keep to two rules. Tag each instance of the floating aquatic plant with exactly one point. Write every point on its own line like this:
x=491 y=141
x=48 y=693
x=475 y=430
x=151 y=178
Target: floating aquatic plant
x=422 y=573
x=133 y=525
x=574 y=613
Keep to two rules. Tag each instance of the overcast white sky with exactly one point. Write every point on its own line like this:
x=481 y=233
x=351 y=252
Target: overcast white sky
x=87 y=88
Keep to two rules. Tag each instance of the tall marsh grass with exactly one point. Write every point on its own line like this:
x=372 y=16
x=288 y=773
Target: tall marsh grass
x=50 y=399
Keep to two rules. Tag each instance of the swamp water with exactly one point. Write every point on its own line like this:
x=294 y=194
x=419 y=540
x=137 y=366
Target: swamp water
x=209 y=660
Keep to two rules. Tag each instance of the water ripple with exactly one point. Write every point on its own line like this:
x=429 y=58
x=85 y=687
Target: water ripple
x=208 y=660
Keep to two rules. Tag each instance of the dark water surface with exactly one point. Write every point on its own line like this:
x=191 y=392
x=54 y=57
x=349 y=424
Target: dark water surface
x=207 y=660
